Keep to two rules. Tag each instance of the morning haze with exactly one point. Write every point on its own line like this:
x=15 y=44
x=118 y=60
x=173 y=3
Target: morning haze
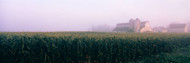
x=81 y=15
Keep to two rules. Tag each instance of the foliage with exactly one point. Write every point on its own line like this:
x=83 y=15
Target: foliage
x=80 y=47
x=181 y=55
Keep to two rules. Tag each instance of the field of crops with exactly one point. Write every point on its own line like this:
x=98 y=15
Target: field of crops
x=87 y=47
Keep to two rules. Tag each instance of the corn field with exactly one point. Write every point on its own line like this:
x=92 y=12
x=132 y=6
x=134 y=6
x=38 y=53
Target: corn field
x=86 y=47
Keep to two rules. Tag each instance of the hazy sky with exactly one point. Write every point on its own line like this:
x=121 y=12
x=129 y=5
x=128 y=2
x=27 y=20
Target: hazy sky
x=80 y=15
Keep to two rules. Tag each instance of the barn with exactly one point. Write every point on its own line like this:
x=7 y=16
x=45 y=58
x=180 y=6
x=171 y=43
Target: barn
x=178 y=28
x=133 y=26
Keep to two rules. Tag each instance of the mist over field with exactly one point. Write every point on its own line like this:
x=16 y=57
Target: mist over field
x=82 y=15
x=94 y=31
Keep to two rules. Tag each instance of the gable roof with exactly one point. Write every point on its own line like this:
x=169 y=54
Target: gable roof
x=177 y=25
x=143 y=24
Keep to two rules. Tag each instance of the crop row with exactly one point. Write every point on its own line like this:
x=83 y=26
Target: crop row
x=80 y=47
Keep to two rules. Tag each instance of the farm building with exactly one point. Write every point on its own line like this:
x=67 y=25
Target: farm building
x=160 y=29
x=189 y=27
x=134 y=26
x=178 y=28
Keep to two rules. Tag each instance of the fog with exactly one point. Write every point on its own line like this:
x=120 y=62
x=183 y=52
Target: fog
x=80 y=15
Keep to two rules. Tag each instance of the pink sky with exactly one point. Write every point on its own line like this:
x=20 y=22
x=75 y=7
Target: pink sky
x=80 y=15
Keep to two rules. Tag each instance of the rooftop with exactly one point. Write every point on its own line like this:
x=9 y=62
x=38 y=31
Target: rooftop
x=177 y=25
